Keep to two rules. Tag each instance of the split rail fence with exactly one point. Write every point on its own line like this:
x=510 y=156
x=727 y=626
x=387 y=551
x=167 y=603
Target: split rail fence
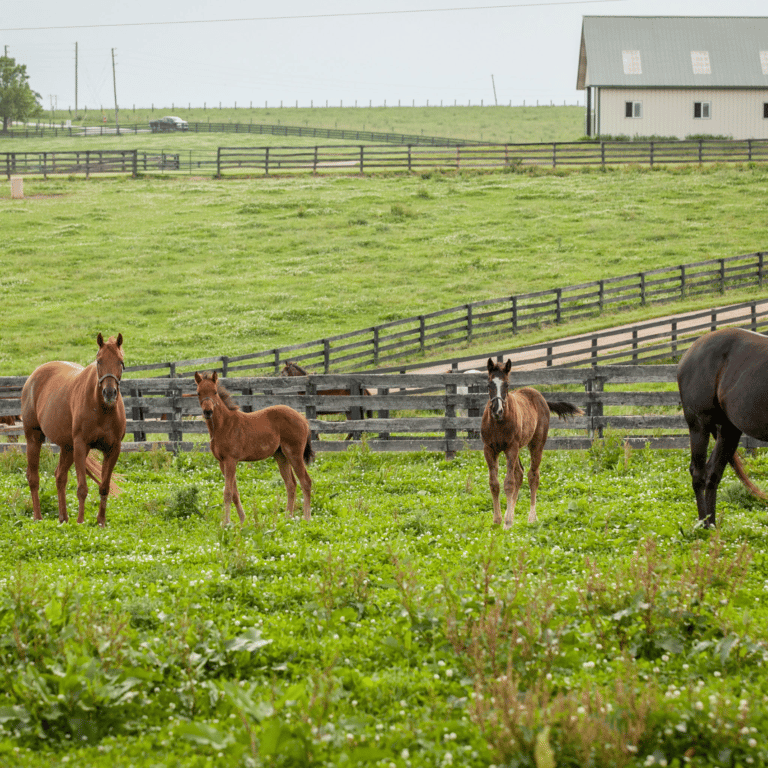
x=380 y=347
x=374 y=158
x=408 y=412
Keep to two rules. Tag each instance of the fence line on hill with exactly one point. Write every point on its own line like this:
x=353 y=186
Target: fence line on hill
x=363 y=158
x=410 y=412
x=385 y=344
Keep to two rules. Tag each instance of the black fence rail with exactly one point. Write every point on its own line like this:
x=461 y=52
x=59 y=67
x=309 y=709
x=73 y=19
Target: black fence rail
x=410 y=412
x=259 y=129
x=400 y=157
x=382 y=346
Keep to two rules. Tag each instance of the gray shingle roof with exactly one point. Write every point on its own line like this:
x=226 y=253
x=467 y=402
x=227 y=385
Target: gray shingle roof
x=665 y=45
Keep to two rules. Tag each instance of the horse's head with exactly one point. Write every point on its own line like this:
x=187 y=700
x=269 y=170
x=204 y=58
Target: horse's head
x=207 y=392
x=498 y=387
x=292 y=369
x=109 y=367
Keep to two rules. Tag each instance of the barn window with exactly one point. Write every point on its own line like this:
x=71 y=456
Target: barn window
x=701 y=110
x=633 y=109
x=765 y=109
x=631 y=60
x=700 y=63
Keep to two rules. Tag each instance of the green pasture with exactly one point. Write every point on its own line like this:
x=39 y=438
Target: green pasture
x=398 y=628
x=500 y=125
x=194 y=267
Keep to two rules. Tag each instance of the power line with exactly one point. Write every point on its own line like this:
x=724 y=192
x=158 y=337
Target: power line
x=310 y=16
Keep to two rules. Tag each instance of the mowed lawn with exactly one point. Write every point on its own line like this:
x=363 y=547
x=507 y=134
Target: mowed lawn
x=189 y=267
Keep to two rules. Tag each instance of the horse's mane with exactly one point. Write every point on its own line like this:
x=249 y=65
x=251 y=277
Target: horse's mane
x=223 y=393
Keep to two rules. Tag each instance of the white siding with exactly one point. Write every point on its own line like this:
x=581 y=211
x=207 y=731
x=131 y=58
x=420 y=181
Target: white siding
x=669 y=112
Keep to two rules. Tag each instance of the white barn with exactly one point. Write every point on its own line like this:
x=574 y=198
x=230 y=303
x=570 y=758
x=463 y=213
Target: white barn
x=675 y=76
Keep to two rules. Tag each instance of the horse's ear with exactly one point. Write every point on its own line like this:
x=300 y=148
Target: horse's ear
x=215 y=377
x=491 y=364
x=508 y=366
x=119 y=340
x=198 y=377
x=100 y=340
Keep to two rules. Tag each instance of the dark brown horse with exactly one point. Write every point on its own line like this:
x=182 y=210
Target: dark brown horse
x=276 y=431
x=293 y=369
x=511 y=421
x=723 y=383
x=79 y=409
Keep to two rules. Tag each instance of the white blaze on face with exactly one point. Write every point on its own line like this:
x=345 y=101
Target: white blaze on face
x=497 y=402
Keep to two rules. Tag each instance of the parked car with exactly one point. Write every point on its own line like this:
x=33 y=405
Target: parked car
x=168 y=124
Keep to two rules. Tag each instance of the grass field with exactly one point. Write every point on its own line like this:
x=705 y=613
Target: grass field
x=193 y=267
x=398 y=627
x=492 y=124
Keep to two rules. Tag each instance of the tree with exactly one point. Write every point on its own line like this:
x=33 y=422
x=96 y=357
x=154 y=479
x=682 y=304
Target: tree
x=17 y=100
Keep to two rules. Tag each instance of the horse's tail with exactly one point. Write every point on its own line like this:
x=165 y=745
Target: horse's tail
x=309 y=451
x=741 y=473
x=564 y=410
x=93 y=469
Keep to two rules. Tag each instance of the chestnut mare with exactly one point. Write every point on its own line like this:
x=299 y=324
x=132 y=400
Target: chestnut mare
x=511 y=421
x=276 y=431
x=723 y=385
x=79 y=409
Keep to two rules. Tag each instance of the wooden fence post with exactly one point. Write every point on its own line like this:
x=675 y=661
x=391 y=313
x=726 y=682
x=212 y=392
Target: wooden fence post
x=642 y=289
x=469 y=322
x=384 y=414
x=673 y=337
x=326 y=355
x=450 y=413
x=356 y=411
x=514 y=314
x=137 y=414
x=682 y=281
x=218 y=163
x=362 y=150
x=594 y=384
x=421 y=332
x=310 y=410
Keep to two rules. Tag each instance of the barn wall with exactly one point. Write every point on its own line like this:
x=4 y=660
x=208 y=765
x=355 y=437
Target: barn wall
x=669 y=112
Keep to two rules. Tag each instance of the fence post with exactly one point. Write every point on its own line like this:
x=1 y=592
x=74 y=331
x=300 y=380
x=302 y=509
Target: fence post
x=558 y=304
x=314 y=161
x=594 y=385
x=722 y=275
x=554 y=154
x=713 y=320
x=450 y=413
x=218 y=162
x=409 y=158
x=266 y=161
x=600 y=294
x=760 y=259
x=753 y=315
x=310 y=409
x=673 y=336
x=376 y=345
x=383 y=414
x=514 y=314
x=224 y=365
x=137 y=414
x=682 y=281
x=469 y=322
x=421 y=333
x=642 y=289
x=362 y=149
x=135 y=163
x=326 y=355
x=634 y=346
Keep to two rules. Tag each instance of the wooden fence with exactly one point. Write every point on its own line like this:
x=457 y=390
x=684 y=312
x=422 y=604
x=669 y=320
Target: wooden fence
x=374 y=158
x=410 y=412
x=381 y=346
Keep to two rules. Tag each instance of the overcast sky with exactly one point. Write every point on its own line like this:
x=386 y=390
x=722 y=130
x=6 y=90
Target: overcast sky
x=189 y=52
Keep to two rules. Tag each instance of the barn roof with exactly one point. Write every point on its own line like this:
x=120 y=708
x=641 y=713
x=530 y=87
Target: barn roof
x=673 y=52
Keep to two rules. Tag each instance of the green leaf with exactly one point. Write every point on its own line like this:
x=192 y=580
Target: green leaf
x=205 y=735
x=250 y=641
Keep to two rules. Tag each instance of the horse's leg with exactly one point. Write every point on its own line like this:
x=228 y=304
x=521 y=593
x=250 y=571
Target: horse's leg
x=537 y=451
x=229 y=470
x=297 y=462
x=236 y=499
x=80 y=456
x=492 y=460
x=699 y=436
x=512 y=482
x=288 y=478
x=62 y=476
x=107 y=468
x=725 y=446
x=35 y=440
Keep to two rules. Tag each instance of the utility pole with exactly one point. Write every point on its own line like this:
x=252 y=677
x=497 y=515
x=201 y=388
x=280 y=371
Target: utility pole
x=75 y=81
x=495 y=100
x=114 y=85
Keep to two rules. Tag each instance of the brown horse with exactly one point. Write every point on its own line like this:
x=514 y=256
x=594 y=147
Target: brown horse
x=723 y=383
x=79 y=409
x=293 y=369
x=276 y=431
x=511 y=421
